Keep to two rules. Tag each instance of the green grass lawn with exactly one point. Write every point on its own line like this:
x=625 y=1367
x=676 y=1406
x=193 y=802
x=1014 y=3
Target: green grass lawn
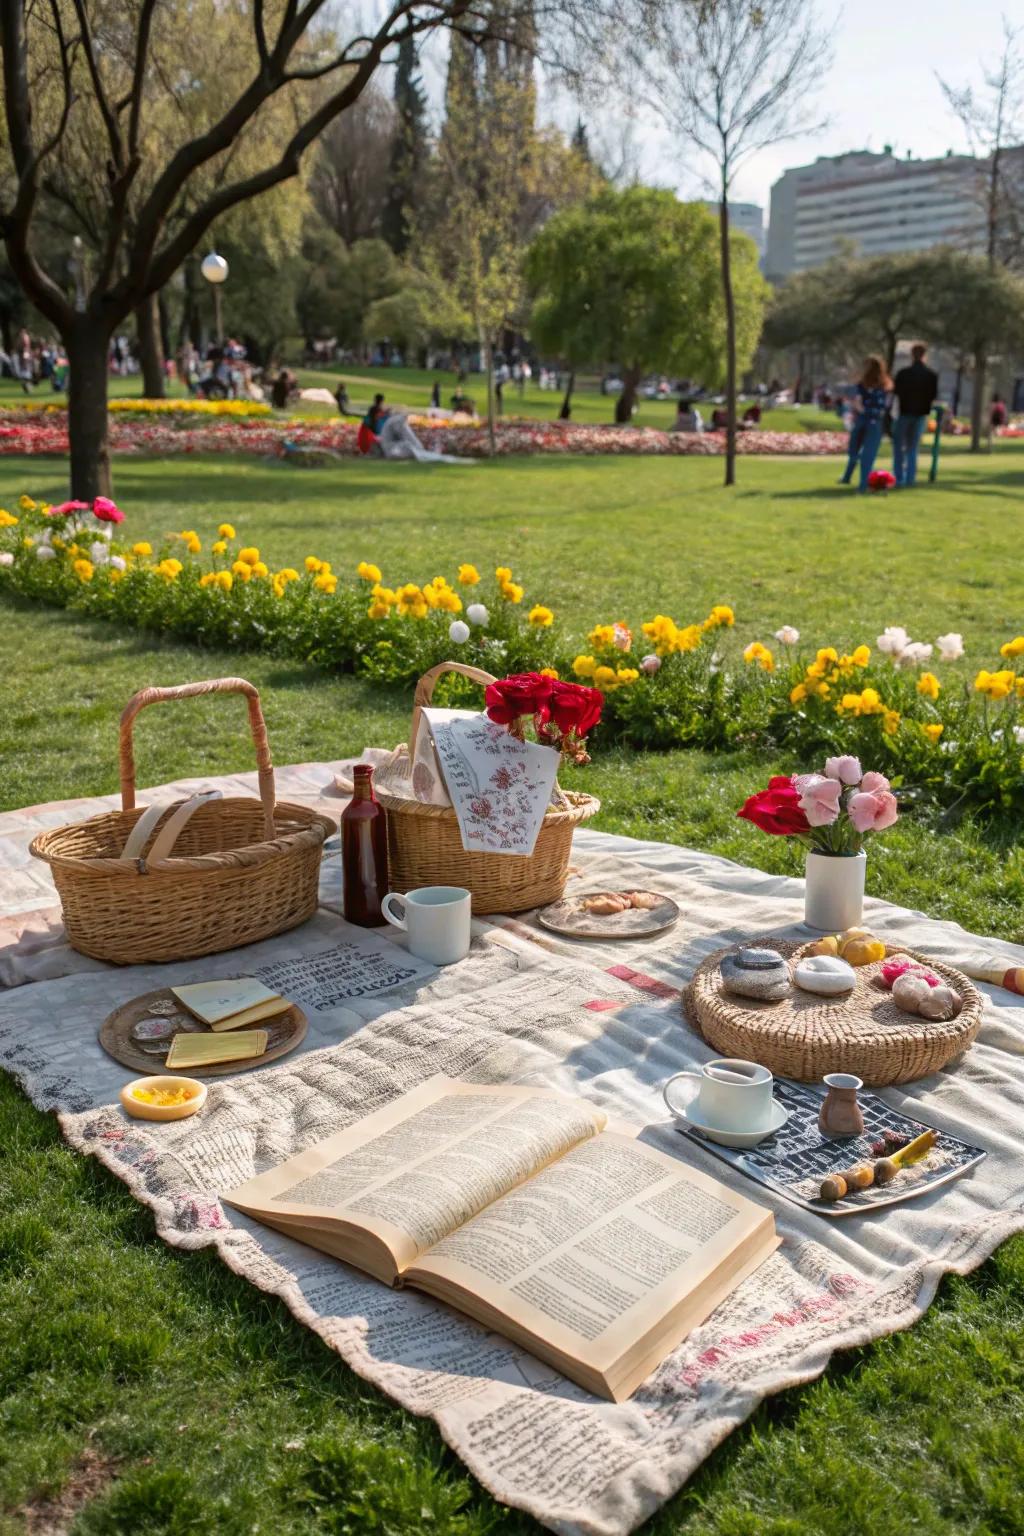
x=412 y=386
x=165 y=1396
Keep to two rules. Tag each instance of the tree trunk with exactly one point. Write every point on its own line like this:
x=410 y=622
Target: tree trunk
x=151 y=351
x=626 y=403
x=488 y=361
x=565 y=414
x=87 y=348
x=730 y=342
x=978 y=398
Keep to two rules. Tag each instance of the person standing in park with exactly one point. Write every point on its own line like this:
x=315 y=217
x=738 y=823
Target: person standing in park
x=874 y=391
x=916 y=388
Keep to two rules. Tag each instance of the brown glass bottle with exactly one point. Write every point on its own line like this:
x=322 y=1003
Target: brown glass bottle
x=364 y=852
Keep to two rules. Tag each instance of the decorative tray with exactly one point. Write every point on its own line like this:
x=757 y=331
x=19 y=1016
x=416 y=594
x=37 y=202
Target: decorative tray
x=804 y=1036
x=286 y=1030
x=794 y=1161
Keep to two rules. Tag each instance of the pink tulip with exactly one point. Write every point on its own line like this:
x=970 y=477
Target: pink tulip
x=872 y=811
x=846 y=769
x=872 y=782
x=819 y=798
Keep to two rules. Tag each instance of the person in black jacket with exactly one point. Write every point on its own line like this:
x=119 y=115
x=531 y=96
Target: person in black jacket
x=915 y=388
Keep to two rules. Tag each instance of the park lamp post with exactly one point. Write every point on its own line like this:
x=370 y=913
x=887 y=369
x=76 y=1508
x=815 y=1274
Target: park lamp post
x=215 y=269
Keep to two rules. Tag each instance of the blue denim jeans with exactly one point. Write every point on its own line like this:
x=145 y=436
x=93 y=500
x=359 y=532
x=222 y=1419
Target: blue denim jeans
x=853 y=448
x=870 y=444
x=906 y=435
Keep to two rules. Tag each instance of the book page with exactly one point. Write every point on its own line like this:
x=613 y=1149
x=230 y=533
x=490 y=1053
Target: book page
x=592 y=1252
x=415 y=1171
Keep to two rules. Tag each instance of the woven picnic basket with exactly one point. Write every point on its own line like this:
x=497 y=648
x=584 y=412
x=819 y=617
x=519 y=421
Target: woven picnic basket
x=192 y=878
x=425 y=844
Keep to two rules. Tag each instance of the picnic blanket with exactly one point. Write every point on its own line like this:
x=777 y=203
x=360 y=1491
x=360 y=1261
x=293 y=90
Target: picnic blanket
x=600 y=1020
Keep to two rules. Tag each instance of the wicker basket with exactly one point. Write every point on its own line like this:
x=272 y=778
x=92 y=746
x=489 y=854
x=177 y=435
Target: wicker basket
x=425 y=844
x=803 y=1036
x=242 y=870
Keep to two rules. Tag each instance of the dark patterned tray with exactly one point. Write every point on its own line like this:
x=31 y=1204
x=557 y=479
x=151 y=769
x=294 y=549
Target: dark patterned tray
x=794 y=1161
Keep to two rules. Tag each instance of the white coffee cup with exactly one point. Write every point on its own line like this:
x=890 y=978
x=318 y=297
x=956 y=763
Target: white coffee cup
x=733 y=1095
x=436 y=918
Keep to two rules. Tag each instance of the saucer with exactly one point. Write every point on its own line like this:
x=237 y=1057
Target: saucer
x=692 y=1117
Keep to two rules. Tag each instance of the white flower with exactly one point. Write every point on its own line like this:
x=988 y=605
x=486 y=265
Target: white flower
x=118 y=563
x=951 y=647
x=46 y=536
x=894 y=641
x=787 y=635
x=6 y=558
x=458 y=632
x=476 y=613
x=1018 y=735
x=913 y=654
x=99 y=554
x=650 y=664
x=44 y=552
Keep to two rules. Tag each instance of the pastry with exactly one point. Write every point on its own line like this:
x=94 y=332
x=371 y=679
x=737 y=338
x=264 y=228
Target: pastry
x=644 y=901
x=605 y=903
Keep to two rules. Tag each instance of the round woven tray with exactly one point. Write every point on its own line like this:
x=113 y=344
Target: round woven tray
x=804 y=1036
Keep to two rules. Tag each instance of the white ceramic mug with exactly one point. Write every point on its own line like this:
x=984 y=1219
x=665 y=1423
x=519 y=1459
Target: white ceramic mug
x=436 y=918
x=733 y=1095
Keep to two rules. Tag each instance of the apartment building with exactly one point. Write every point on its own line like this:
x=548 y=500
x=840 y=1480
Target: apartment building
x=874 y=203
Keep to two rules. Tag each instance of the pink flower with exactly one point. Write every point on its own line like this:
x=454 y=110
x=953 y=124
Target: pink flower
x=106 y=510
x=819 y=798
x=67 y=507
x=872 y=811
x=650 y=664
x=846 y=769
x=872 y=782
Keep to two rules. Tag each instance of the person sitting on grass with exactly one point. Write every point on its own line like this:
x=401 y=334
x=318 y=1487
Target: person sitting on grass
x=367 y=440
x=688 y=418
x=461 y=404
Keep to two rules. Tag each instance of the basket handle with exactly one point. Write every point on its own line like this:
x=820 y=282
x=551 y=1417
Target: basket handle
x=425 y=691
x=182 y=812
x=257 y=725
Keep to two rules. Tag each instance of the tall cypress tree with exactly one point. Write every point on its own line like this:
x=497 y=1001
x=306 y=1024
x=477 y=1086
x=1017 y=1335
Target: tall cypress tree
x=407 y=153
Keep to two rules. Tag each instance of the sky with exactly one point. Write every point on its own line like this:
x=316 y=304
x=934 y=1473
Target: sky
x=881 y=89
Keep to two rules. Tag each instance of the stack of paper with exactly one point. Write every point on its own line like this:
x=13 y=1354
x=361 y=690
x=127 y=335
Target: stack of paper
x=207 y=1050
x=231 y=1004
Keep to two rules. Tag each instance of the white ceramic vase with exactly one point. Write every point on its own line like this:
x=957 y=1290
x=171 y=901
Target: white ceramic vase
x=834 y=898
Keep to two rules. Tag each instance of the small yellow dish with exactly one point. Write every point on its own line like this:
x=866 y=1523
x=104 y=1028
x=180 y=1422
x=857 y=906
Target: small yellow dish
x=194 y=1097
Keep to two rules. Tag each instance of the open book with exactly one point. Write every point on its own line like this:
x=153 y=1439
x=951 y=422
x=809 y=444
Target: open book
x=522 y=1208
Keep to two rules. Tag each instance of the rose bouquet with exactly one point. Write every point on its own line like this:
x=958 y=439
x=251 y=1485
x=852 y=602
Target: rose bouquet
x=831 y=812
x=563 y=714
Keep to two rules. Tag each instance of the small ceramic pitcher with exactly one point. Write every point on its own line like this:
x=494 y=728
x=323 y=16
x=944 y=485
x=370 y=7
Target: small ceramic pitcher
x=841 y=1114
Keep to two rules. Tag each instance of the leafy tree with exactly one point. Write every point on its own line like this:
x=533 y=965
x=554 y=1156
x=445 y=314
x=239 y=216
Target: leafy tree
x=848 y=308
x=408 y=151
x=633 y=278
x=348 y=183
x=729 y=78
x=496 y=179
x=90 y=83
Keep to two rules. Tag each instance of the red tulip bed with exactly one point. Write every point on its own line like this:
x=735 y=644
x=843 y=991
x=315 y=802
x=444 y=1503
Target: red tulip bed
x=30 y=432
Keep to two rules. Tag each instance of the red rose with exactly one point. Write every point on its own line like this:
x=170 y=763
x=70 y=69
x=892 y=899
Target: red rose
x=527 y=693
x=575 y=708
x=776 y=809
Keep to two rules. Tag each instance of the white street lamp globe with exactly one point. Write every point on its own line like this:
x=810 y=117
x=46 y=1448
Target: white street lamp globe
x=214 y=268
